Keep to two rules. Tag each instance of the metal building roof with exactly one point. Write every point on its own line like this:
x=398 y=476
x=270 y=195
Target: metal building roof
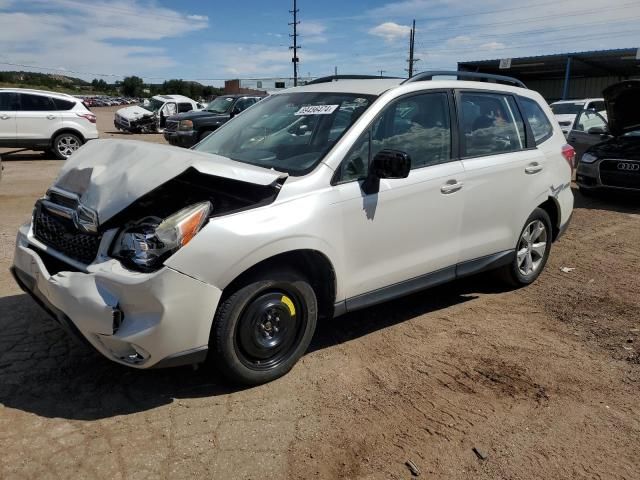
x=622 y=62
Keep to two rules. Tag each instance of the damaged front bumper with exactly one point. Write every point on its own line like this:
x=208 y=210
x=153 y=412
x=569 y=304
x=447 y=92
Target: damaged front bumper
x=136 y=319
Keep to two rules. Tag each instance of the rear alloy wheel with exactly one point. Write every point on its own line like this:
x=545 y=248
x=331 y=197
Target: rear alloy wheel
x=263 y=328
x=532 y=250
x=65 y=144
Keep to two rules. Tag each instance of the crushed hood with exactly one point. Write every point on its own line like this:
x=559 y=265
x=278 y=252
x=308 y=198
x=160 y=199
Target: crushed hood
x=622 y=100
x=109 y=175
x=133 y=112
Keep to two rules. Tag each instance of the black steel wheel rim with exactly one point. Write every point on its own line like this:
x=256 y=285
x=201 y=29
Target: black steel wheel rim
x=269 y=329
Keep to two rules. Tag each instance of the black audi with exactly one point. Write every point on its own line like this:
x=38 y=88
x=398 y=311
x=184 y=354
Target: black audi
x=609 y=148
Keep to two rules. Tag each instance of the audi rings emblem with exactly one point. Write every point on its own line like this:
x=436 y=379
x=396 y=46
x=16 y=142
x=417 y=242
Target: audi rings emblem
x=629 y=167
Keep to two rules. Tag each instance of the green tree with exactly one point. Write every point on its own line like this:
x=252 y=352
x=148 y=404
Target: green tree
x=132 y=86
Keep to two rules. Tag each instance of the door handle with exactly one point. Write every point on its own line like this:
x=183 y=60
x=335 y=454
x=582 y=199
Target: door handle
x=451 y=186
x=4 y=117
x=51 y=117
x=534 y=167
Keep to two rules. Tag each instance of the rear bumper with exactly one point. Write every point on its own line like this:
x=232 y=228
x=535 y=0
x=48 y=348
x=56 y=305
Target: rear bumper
x=139 y=320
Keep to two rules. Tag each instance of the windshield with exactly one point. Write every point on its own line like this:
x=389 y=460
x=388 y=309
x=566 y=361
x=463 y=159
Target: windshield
x=220 y=105
x=288 y=132
x=153 y=105
x=567 y=108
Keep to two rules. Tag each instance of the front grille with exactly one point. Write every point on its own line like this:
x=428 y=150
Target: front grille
x=61 y=235
x=171 y=126
x=612 y=176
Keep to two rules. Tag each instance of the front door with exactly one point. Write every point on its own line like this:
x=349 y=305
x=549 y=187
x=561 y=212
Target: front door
x=411 y=226
x=580 y=138
x=36 y=119
x=8 y=105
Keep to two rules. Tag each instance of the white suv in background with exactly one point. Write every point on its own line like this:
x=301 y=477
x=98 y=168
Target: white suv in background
x=316 y=201
x=40 y=120
x=566 y=111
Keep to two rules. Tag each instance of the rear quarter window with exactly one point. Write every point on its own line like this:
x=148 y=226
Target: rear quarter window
x=538 y=121
x=63 y=104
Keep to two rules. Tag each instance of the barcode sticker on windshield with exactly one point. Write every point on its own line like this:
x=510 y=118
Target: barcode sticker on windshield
x=317 y=110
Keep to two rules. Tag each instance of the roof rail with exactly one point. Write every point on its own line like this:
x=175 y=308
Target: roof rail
x=460 y=75
x=331 y=78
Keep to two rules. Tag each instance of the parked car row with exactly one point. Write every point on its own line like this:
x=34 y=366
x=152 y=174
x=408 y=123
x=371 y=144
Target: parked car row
x=102 y=101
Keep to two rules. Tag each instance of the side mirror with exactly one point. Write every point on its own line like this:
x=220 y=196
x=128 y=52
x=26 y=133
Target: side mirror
x=597 y=131
x=391 y=164
x=235 y=111
x=386 y=164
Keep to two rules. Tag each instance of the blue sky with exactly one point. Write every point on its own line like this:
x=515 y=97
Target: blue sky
x=209 y=40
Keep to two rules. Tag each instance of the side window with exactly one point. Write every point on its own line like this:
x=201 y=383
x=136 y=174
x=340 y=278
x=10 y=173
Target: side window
x=491 y=124
x=36 y=103
x=419 y=126
x=355 y=166
x=588 y=119
x=184 y=107
x=63 y=104
x=244 y=103
x=538 y=121
x=597 y=106
x=8 y=101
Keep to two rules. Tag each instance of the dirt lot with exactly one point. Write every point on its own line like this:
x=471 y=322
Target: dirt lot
x=544 y=380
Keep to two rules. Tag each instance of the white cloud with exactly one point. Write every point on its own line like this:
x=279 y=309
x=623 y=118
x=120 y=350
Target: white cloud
x=79 y=36
x=256 y=59
x=391 y=31
x=312 y=32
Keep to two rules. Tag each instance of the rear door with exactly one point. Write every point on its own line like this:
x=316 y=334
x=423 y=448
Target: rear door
x=503 y=174
x=8 y=106
x=580 y=138
x=36 y=119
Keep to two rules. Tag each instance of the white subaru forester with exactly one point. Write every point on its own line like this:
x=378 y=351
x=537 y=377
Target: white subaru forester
x=314 y=202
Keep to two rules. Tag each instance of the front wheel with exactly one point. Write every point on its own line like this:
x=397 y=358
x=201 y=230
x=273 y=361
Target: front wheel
x=262 y=329
x=65 y=144
x=532 y=250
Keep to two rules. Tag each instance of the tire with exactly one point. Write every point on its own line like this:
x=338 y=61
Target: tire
x=65 y=144
x=530 y=256
x=263 y=328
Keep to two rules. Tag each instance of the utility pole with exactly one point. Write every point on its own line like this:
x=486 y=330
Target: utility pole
x=382 y=72
x=295 y=45
x=412 y=42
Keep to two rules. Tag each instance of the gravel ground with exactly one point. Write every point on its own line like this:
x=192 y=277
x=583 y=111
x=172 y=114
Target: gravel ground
x=544 y=380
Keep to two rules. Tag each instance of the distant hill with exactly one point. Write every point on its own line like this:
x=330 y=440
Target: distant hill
x=45 y=81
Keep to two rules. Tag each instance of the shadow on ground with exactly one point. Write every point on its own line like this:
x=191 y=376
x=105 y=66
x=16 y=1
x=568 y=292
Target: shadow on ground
x=23 y=155
x=43 y=371
x=615 y=201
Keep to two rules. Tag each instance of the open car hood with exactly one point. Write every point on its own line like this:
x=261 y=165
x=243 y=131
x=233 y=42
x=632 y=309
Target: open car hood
x=622 y=101
x=109 y=175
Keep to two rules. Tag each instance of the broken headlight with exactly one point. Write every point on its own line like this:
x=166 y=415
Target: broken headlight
x=146 y=244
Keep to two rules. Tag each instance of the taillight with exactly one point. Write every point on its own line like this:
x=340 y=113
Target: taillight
x=569 y=154
x=89 y=116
